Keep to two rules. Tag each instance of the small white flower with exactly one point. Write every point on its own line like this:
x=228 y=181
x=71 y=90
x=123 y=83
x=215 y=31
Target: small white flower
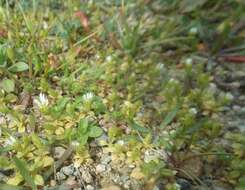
x=88 y=96
x=108 y=58
x=193 y=30
x=193 y=111
x=120 y=142
x=41 y=101
x=189 y=61
x=10 y=141
x=174 y=81
x=45 y=25
x=160 y=65
x=75 y=143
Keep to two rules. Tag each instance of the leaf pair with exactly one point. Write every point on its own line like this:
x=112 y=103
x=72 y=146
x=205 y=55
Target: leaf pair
x=85 y=130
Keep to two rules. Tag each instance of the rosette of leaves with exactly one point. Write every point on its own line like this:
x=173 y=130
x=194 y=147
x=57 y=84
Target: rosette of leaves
x=86 y=130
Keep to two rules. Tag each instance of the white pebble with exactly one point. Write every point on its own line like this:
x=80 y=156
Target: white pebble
x=100 y=168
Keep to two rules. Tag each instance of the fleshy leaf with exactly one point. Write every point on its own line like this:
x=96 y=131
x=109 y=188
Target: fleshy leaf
x=18 y=67
x=7 y=85
x=95 y=131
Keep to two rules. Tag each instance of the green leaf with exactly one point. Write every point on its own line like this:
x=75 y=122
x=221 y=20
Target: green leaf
x=83 y=126
x=166 y=172
x=95 y=131
x=139 y=128
x=83 y=139
x=22 y=167
x=7 y=85
x=10 y=187
x=18 y=67
x=197 y=126
x=170 y=116
x=4 y=163
x=3 y=62
x=39 y=180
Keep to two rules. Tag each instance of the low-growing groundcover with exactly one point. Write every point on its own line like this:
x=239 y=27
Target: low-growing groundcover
x=128 y=77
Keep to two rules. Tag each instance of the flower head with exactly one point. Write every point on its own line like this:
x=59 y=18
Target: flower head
x=88 y=97
x=41 y=101
x=189 y=61
x=109 y=58
x=193 y=111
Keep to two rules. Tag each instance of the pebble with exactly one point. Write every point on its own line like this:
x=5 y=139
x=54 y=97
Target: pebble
x=116 y=178
x=242 y=98
x=86 y=176
x=236 y=108
x=58 y=152
x=68 y=170
x=102 y=140
x=126 y=185
x=184 y=184
x=111 y=187
x=2 y=177
x=100 y=168
x=60 y=176
x=90 y=187
x=71 y=181
x=105 y=159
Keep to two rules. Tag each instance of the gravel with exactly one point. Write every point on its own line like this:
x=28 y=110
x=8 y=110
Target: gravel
x=100 y=168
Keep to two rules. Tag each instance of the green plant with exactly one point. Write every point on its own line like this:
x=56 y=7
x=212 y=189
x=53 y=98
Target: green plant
x=86 y=130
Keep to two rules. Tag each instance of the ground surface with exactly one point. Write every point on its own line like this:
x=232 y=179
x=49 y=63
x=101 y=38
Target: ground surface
x=122 y=95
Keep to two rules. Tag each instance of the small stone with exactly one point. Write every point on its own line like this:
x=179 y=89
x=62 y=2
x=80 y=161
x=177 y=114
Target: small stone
x=52 y=183
x=242 y=98
x=126 y=185
x=86 y=176
x=236 y=108
x=90 y=187
x=111 y=187
x=124 y=178
x=68 y=170
x=2 y=177
x=105 y=159
x=71 y=181
x=60 y=176
x=101 y=141
x=58 y=152
x=137 y=174
x=184 y=184
x=100 y=168
x=116 y=178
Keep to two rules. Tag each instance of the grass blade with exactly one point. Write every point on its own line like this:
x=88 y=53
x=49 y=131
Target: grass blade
x=170 y=116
